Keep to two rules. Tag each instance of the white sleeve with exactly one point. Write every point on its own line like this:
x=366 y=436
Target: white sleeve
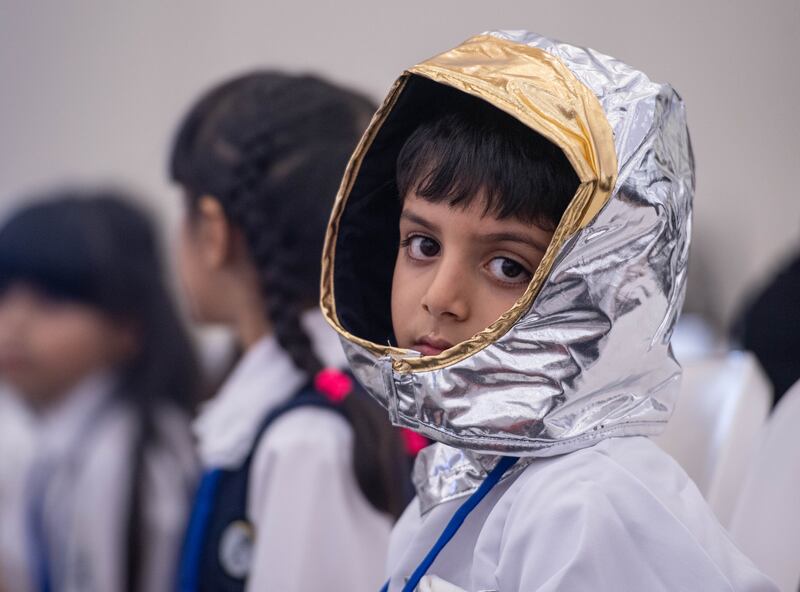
x=314 y=528
x=608 y=532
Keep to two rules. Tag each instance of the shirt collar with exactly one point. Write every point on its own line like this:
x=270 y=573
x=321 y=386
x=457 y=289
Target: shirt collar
x=264 y=378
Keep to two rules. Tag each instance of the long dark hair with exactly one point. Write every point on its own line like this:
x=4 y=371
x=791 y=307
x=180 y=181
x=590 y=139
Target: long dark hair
x=272 y=148
x=97 y=249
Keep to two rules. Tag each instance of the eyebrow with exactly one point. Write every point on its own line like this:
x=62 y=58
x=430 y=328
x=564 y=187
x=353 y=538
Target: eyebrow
x=513 y=237
x=411 y=217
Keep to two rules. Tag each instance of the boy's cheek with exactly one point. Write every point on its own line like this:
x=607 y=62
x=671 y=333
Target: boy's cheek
x=398 y=316
x=60 y=353
x=402 y=305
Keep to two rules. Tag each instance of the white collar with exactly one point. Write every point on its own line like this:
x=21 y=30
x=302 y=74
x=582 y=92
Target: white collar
x=264 y=378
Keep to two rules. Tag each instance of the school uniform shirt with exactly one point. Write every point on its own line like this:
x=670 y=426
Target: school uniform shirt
x=16 y=448
x=315 y=530
x=78 y=478
x=620 y=515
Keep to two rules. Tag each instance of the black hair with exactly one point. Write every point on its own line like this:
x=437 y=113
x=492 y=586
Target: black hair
x=271 y=148
x=95 y=248
x=476 y=150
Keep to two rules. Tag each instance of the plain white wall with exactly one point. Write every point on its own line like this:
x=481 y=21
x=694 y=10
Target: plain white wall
x=93 y=90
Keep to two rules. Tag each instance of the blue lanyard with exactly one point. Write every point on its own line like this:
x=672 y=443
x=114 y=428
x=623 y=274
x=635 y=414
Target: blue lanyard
x=37 y=535
x=456 y=521
x=189 y=569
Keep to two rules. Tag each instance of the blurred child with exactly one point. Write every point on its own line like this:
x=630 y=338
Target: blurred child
x=303 y=472
x=90 y=341
x=540 y=195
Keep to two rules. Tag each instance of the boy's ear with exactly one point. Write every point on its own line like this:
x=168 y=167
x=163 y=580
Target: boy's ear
x=215 y=232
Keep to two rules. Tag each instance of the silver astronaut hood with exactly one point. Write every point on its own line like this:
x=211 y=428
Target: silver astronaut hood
x=585 y=353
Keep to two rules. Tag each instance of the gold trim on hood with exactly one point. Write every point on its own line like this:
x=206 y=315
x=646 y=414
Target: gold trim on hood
x=541 y=92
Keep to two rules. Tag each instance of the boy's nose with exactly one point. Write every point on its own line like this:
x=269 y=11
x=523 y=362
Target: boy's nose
x=446 y=295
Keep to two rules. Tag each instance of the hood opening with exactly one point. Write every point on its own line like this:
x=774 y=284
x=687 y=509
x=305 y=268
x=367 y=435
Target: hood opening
x=367 y=243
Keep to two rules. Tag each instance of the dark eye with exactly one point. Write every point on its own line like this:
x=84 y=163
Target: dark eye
x=422 y=247
x=509 y=271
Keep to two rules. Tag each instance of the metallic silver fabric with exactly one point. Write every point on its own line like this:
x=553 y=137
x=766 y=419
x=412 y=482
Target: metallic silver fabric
x=591 y=358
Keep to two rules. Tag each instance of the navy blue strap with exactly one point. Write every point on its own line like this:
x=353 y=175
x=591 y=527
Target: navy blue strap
x=205 y=501
x=307 y=397
x=456 y=521
x=189 y=568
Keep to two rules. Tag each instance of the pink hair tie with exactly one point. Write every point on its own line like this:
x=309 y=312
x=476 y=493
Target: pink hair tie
x=413 y=441
x=334 y=384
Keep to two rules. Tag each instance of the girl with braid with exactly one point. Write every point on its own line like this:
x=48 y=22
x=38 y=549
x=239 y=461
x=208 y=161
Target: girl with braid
x=303 y=477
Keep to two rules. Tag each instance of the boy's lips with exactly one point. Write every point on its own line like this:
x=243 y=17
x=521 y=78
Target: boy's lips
x=431 y=345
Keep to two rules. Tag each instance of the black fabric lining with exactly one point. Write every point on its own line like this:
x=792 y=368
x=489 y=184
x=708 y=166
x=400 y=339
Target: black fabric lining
x=368 y=239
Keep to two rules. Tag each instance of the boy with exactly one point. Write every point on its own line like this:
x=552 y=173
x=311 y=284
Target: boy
x=543 y=222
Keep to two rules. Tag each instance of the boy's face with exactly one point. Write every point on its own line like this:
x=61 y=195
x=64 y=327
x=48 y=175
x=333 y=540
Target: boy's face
x=457 y=271
x=47 y=346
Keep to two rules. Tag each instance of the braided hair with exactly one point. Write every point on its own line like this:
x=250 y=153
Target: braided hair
x=271 y=148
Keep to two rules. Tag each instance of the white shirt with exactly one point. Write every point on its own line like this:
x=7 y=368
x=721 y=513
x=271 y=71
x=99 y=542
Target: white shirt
x=83 y=445
x=16 y=449
x=619 y=516
x=319 y=531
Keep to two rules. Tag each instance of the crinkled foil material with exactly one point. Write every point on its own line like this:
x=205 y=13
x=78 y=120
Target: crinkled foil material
x=590 y=359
